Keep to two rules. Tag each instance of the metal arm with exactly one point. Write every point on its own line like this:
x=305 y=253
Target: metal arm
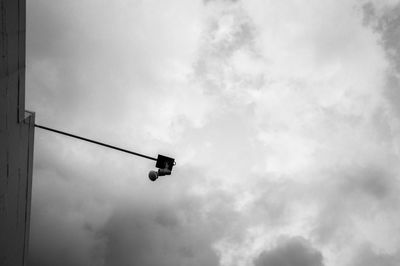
x=96 y=142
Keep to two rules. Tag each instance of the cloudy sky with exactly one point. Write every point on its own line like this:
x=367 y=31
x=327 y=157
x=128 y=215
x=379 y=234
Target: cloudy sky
x=283 y=116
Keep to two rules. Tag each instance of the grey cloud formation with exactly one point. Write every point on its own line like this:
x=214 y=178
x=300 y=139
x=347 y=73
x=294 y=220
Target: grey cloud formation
x=389 y=25
x=354 y=195
x=368 y=257
x=370 y=181
x=275 y=113
x=163 y=226
x=386 y=21
x=291 y=252
x=227 y=49
x=159 y=237
x=174 y=228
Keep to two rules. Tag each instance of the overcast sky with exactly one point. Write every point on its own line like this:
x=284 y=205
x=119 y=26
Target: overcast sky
x=283 y=116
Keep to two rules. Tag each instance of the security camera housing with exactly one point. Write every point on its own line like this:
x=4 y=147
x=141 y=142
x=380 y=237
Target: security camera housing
x=153 y=175
x=164 y=165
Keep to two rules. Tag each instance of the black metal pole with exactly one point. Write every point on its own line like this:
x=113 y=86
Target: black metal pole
x=95 y=142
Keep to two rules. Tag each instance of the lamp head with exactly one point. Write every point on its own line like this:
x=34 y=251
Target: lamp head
x=164 y=165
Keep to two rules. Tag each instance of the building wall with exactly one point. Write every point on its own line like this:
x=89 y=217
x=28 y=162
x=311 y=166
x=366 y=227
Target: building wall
x=16 y=137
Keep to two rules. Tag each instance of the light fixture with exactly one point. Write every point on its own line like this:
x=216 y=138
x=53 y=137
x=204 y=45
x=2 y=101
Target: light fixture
x=163 y=163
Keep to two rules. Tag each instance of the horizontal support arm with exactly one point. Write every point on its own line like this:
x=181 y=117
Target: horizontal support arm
x=96 y=142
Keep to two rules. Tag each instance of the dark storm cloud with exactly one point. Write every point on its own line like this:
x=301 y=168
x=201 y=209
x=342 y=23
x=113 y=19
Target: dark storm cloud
x=172 y=229
x=59 y=234
x=160 y=236
x=292 y=252
x=77 y=223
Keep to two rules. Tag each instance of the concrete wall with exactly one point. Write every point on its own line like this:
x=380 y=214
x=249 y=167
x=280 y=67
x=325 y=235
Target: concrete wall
x=16 y=137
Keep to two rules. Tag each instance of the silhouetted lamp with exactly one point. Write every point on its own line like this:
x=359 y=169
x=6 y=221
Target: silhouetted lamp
x=163 y=163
